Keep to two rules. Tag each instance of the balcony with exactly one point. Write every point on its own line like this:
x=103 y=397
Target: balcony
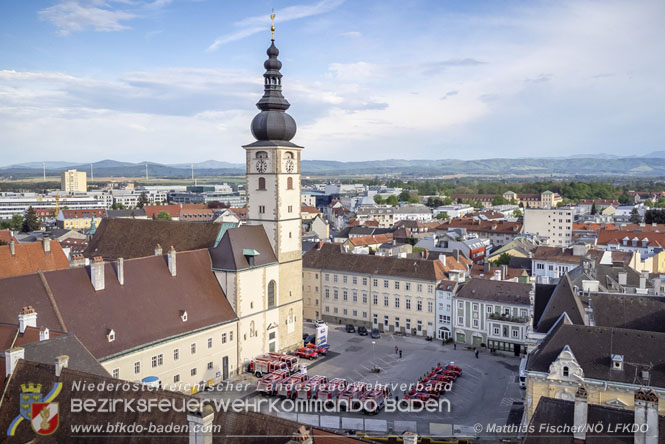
x=508 y=318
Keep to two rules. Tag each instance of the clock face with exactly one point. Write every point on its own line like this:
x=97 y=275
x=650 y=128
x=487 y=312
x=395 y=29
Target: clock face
x=261 y=166
x=290 y=166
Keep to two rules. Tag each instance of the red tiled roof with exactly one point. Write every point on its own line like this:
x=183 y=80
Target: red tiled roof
x=174 y=210
x=6 y=236
x=84 y=214
x=484 y=226
x=30 y=257
x=309 y=209
x=371 y=239
x=654 y=238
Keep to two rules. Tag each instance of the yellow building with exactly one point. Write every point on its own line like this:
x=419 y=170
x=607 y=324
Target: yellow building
x=72 y=181
x=80 y=219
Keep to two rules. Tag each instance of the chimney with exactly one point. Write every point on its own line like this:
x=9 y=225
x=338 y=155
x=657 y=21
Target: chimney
x=590 y=321
x=47 y=245
x=410 y=438
x=12 y=247
x=171 y=260
x=456 y=255
x=486 y=267
x=656 y=286
x=497 y=275
x=301 y=436
x=200 y=425
x=623 y=278
x=78 y=260
x=97 y=273
x=27 y=318
x=646 y=417
x=504 y=271
x=121 y=271
x=11 y=359
x=643 y=280
x=580 y=415
x=60 y=363
x=44 y=334
x=158 y=250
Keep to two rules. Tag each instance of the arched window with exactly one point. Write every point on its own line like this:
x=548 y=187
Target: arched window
x=565 y=371
x=271 y=294
x=289 y=155
x=252 y=333
x=289 y=183
x=262 y=183
x=261 y=155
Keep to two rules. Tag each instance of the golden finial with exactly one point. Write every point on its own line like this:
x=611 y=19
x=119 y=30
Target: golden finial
x=272 y=26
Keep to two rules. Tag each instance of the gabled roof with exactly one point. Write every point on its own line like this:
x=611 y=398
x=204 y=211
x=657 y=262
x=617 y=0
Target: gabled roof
x=174 y=209
x=496 y=291
x=131 y=213
x=31 y=257
x=228 y=255
x=64 y=344
x=563 y=300
x=132 y=238
x=371 y=239
x=653 y=238
x=6 y=236
x=145 y=309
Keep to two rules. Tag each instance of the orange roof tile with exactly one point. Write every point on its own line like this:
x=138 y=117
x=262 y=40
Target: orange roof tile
x=31 y=257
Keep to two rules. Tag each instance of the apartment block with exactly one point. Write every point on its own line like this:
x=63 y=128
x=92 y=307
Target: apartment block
x=556 y=225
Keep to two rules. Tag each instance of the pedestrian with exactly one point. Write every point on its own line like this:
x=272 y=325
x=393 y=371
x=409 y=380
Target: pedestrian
x=396 y=349
x=476 y=353
x=454 y=345
x=400 y=354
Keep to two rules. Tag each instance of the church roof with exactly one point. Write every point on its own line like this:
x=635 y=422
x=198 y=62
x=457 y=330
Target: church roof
x=229 y=254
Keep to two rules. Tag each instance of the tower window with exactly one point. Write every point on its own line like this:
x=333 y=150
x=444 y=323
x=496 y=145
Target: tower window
x=262 y=183
x=290 y=208
x=289 y=183
x=262 y=209
x=271 y=294
x=261 y=155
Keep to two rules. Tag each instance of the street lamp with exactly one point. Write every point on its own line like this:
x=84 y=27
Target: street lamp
x=374 y=356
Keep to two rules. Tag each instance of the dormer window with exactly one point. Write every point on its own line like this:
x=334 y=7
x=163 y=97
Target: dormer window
x=110 y=335
x=617 y=362
x=566 y=372
x=183 y=315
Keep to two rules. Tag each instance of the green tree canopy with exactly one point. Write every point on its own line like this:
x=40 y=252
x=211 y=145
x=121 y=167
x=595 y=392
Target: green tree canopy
x=163 y=215
x=31 y=221
x=16 y=222
x=142 y=201
x=378 y=200
x=499 y=200
x=392 y=200
x=503 y=259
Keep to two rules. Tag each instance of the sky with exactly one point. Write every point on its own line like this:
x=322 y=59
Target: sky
x=175 y=81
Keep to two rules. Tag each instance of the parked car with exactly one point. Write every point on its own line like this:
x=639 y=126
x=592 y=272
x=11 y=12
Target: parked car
x=375 y=334
x=307 y=353
x=319 y=349
x=319 y=322
x=362 y=331
x=309 y=339
x=350 y=328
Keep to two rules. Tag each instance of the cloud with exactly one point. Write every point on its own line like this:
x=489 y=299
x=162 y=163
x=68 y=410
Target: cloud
x=352 y=34
x=255 y=24
x=98 y=15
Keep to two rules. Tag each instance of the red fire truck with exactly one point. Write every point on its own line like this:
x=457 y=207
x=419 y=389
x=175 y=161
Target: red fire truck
x=262 y=366
x=291 y=361
x=331 y=390
x=311 y=387
x=290 y=386
x=373 y=400
x=268 y=384
x=350 y=396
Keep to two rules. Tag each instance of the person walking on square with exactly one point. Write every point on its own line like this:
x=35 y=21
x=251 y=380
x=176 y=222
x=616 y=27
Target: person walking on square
x=400 y=354
x=476 y=353
x=396 y=349
x=454 y=345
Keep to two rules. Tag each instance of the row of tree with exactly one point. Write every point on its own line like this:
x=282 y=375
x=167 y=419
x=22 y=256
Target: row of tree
x=25 y=223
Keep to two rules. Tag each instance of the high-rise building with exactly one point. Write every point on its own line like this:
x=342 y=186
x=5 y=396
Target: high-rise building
x=73 y=181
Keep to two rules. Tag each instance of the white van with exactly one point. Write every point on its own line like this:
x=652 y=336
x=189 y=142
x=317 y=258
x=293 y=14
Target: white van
x=522 y=378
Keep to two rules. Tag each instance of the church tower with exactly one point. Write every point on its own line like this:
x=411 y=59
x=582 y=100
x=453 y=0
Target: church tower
x=273 y=195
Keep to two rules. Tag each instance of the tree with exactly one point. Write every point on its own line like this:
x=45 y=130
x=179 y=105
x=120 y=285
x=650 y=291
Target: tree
x=503 y=259
x=215 y=204
x=443 y=216
x=648 y=203
x=654 y=217
x=31 y=221
x=118 y=206
x=499 y=200
x=392 y=200
x=594 y=210
x=378 y=200
x=635 y=217
x=404 y=196
x=518 y=213
x=624 y=199
x=163 y=215
x=142 y=201
x=16 y=223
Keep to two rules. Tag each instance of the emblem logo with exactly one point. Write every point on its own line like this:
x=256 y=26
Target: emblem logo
x=41 y=411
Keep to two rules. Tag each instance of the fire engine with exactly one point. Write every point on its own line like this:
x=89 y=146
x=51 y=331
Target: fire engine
x=373 y=400
x=331 y=390
x=349 y=397
x=311 y=387
x=268 y=384
x=291 y=361
x=262 y=366
x=290 y=386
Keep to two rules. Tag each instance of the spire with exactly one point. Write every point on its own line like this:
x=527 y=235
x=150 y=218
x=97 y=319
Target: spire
x=273 y=123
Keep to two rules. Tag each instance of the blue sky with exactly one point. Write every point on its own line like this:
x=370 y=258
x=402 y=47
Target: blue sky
x=177 y=80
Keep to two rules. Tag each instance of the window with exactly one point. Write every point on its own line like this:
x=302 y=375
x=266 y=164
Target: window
x=420 y=325
x=327 y=291
x=335 y=294
x=475 y=307
x=192 y=349
x=271 y=294
x=385 y=283
x=157 y=360
x=355 y=296
x=407 y=286
x=419 y=287
x=565 y=371
x=289 y=209
x=460 y=320
x=334 y=278
x=540 y=266
x=396 y=285
x=345 y=279
x=496 y=331
x=515 y=333
x=375 y=299
x=506 y=311
x=430 y=306
x=230 y=336
x=176 y=379
x=262 y=183
x=262 y=209
x=460 y=305
x=176 y=354
x=385 y=320
x=419 y=305
x=364 y=314
x=364 y=298
x=335 y=310
x=490 y=309
x=364 y=281
x=396 y=301
x=396 y=323
x=137 y=367
x=116 y=373
x=344 y=312
x=210 y=365
x=523 y=313
x=375 y=282
x=355 y=313
x=289 y=183
x=327 y=309
x=475 y=323
x=209 y=342
x=408 y=324
x=327 y=277
x=223 y=338
x=192 y=372
x=385 y=301
x=430 y=288
x=408 y=303
x=355 y=280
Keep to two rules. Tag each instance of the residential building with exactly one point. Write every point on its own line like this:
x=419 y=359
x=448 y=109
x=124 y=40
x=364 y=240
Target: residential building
x=521 y=247
x=72 y=181
x=18 y=203
x=556 y=225
x=17 y=259
x=546 y=199
x=645 y=242
x=499 y=232
x=494 y=313
x=451 y=241
x=80 y=219
x=454 y=210
x=445 y=292
x=175 y=211
x=388 y=293
x=387 y=216
x=309 y=212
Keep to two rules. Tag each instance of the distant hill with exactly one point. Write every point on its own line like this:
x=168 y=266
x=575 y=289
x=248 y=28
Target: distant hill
x=35 y=165
x=583 y=166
